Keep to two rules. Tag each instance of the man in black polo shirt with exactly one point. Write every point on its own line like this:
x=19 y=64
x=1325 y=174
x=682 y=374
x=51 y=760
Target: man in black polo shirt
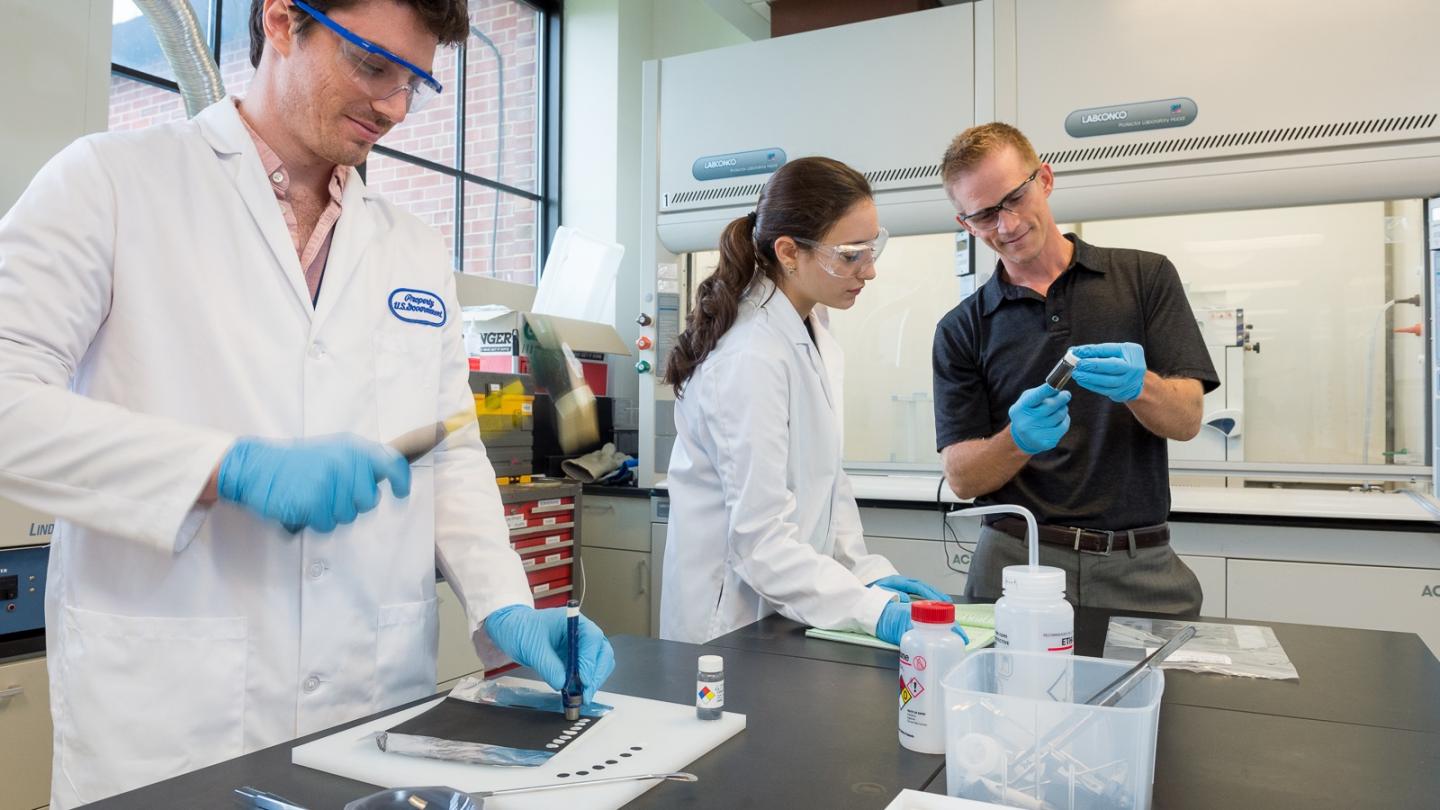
x=1090 y=461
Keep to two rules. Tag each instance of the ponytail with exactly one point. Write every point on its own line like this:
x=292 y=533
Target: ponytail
x=804 y=199
x=717 y=301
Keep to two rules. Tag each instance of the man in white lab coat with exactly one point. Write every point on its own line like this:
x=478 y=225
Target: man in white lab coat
x=206 y=329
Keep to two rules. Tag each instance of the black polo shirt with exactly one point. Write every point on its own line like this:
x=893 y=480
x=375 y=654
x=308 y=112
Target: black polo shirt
x=1108 y=472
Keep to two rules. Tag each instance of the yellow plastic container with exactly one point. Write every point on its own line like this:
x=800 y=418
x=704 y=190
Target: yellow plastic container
x=507 y=400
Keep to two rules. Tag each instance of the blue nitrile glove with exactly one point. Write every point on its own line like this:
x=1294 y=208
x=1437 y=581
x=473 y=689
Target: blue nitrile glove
x=895 y=622
x=537 y=639
x=1114 y=370
x=1039 y=418
x=907 y=587
x=311 y=483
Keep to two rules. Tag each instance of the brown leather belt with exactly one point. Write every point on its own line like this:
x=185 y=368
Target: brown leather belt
x=1093 y=540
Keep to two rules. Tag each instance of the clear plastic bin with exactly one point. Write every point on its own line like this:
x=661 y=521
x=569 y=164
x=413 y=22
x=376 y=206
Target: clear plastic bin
x=1010 y=740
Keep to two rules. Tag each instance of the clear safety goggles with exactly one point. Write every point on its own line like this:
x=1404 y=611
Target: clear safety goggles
x=378 y=72
x=848 y=260
x=988 y=219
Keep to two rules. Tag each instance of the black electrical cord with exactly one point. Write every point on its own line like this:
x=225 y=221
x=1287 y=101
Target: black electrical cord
x=949 y=535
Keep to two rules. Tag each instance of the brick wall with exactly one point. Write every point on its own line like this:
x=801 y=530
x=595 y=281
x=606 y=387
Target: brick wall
x=430 y=134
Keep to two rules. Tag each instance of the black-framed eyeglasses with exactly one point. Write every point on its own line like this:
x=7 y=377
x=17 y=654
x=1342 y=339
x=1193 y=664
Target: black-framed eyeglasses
x=988 y=219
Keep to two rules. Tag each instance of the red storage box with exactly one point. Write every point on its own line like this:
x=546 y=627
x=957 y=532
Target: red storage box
x=550 y=506
x=537 y=524
x=545 y=590
x=552 y=601
x=545 y=558
x=557 y=576
x=537 y=543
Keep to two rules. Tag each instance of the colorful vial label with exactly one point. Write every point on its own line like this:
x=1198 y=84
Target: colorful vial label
x=710 y=694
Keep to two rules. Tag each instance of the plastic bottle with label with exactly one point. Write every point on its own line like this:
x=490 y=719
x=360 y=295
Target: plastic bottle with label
x=710 y=688
x=928 y=651
x=1033 y=616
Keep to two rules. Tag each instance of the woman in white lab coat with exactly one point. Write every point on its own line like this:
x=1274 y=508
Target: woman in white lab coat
x=762 y=518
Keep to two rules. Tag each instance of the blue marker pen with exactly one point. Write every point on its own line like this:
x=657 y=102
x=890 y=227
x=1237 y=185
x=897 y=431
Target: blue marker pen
x=573 y=694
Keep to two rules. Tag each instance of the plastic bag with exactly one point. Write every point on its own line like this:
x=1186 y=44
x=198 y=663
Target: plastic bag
x=1242 y=650
x=414 y=745
x=505 y=693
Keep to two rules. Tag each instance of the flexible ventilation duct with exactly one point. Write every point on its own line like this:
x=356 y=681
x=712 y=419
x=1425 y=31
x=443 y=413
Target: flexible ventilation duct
x=180 y=37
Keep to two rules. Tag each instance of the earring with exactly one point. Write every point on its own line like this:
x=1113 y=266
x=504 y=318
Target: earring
x=790 y=268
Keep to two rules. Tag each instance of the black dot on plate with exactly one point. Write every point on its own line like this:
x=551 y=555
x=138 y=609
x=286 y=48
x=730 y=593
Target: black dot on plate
x=625 y=754
x=597 y=767
x=611 y=762
x=562 y=776
x=636 y=748
x=582 y=773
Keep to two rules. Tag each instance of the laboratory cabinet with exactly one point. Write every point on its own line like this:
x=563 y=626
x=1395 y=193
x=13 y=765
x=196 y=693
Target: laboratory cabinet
x=455 y=656
x=1366 y=597
x=25 y=743
x=1213 y=582
x=946 y=565
x=1343 y=573
x=659 y=531
x=912 y=540
x=617 y=585
x=616 y=566
x=618 y=522
x=544 y=524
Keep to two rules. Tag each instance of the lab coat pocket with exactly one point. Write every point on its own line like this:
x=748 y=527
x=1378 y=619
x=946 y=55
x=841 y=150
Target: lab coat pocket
x=407 y=380
x=139 y=699
x=405 y=651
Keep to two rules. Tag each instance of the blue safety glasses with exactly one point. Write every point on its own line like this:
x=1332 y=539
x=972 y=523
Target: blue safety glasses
x=380 y=73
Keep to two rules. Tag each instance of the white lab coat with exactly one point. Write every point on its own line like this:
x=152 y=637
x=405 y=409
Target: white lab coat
x=762 y=517
x=152 y=309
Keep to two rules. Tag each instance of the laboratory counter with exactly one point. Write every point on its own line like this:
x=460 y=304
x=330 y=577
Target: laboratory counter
x=607 y=491
x=1360 y=729
x=818 y=734
x=1361 y=677
x=1195 y=503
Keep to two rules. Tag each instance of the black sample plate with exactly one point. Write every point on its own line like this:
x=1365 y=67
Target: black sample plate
x=526 y=729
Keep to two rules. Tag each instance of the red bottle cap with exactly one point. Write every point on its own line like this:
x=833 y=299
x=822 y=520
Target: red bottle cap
x=932 y=612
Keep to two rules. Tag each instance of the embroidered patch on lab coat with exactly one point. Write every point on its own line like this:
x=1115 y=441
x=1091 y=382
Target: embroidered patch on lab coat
x=417 y=306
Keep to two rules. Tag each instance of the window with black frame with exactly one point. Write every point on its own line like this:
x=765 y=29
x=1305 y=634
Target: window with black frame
x=477 y=164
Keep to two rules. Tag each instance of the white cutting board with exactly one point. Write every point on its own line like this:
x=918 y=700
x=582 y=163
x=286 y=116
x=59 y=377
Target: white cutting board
x=915 y=800
x=668 y=734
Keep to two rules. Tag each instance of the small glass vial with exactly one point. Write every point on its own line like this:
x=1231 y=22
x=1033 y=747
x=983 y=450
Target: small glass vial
x=710 y=688
x=1060 y=375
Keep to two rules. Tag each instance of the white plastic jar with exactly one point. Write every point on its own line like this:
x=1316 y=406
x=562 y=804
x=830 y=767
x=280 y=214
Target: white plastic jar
x=1033 y=616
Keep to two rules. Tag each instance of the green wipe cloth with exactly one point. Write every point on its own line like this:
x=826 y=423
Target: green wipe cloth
x=978 y=621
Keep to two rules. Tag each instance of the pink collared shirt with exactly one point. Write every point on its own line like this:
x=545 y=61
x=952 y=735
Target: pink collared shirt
x=314 y=252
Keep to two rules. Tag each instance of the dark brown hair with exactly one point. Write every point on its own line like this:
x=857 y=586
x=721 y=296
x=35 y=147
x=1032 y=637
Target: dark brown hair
x=804 y=199
x=449 y=20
